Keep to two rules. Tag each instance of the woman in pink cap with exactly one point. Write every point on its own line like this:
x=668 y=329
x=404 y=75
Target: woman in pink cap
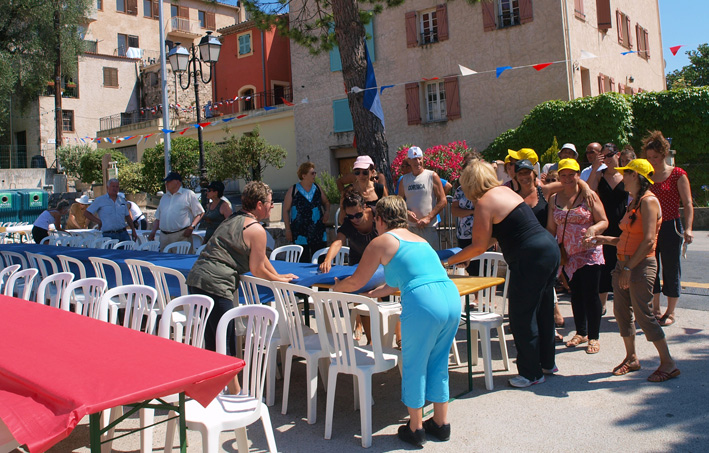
x=363 y=170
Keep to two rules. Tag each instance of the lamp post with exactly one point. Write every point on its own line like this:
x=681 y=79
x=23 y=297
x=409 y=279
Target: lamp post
x=180 y=60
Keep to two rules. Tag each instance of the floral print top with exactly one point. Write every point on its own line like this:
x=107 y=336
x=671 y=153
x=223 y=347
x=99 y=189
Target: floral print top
x=579 y=219
x=465 y=224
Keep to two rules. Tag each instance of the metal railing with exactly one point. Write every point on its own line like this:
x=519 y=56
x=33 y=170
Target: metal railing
x=14 y=156
x=508 y=18
x=126 y=118
x=429 y=37
x=184 y=25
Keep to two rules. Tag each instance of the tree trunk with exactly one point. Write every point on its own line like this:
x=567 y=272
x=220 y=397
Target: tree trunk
x=368 y=129
x=58 y=80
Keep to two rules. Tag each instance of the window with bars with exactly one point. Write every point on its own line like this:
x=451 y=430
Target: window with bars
x=435 y=101
x=67 y=120
x=110 y=77
x=429 y=27
x=508 y=13
x=426 y=27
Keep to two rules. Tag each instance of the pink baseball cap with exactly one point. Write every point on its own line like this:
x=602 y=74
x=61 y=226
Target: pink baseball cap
x=363 y=162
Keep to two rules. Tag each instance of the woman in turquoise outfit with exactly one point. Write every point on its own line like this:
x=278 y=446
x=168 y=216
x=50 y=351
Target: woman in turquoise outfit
x=429 y=319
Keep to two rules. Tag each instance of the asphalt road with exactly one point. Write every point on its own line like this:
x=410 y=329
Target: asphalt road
x=695 y=274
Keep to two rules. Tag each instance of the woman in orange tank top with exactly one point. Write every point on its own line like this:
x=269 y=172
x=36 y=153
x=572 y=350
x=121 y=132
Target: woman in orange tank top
x=635 y=272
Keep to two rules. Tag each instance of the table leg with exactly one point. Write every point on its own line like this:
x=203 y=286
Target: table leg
x=183 y=425
x=467 y=332
x=95 y=432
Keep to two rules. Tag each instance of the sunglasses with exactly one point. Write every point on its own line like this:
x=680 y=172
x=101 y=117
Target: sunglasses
x=609 y=155
x=361 y=172
x=551 y=180
x=357 y=216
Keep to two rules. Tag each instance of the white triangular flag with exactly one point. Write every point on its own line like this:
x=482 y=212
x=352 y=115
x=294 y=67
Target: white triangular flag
x=585 y=55
x=466 y=71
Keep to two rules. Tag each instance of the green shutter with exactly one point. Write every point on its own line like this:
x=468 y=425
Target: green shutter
x=336 y=63
x=342 y=118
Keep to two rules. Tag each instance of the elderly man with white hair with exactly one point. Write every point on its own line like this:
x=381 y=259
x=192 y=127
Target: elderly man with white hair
x=110 y=212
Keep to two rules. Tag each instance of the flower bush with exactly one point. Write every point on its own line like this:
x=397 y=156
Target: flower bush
x=446 y=160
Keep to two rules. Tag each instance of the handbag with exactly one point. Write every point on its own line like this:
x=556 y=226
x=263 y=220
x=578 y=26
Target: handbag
x=562 y=249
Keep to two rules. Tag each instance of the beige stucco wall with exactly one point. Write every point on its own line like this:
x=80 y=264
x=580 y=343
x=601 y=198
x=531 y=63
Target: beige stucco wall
x=584 y=35
x=489 y=105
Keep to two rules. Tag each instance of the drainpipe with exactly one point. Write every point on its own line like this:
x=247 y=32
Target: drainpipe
x=263 y=65
x=567 y=52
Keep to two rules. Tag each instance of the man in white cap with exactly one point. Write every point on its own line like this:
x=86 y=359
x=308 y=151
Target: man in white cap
x=567 y=151
x=178 y=213
x=425 y=199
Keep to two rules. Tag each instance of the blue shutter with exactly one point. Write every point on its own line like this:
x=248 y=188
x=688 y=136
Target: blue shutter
x=336 y=63
x=342 y=118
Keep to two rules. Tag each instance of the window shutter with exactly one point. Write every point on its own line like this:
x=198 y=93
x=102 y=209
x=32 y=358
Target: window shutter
x=341 y=115
x=525 y=11
x=619 y=24
x=452 y=98
x=578 y=9
x=603 y=11
x=210 y=21
x=647 y=44
x=621 y=88
x=442 y=17
x=369 y=30
x=183 y=12
x=638 y=36
x=601 y=83
x=413 y=105
x=411 y=29
x=612 y=82
x=132 y=7
x=488 y=9
x=630 y=34
x=634 y=91
x=156 y=9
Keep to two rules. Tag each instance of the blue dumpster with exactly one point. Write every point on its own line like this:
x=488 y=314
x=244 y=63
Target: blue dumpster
x=9 y=207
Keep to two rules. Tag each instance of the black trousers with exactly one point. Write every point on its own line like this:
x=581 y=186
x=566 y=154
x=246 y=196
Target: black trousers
x=221 y=306
x=585 y=303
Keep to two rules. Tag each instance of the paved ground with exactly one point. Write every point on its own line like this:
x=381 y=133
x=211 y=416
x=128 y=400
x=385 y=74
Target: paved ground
x=583 y=408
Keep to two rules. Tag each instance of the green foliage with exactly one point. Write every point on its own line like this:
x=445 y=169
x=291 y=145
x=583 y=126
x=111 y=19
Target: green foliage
x=28 y=47
x=184 y=159
x=70 y=158
x=604 y=118
x=328 y=183
x=91 y=164
x=130 y=177
x=551 y=155
x=246 y=157
x=695 y=74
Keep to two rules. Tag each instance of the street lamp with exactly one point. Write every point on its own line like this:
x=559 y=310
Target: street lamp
x=180 y=60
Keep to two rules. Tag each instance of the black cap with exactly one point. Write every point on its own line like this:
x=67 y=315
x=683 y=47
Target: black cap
x=173 y=176
x=523 y=164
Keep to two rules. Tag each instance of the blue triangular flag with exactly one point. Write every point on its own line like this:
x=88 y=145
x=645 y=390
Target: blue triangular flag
x=501 y=69
x=269 y=108
x=371 y=100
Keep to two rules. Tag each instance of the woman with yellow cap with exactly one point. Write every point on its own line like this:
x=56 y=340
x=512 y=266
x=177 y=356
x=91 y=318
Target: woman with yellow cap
x=635 y=271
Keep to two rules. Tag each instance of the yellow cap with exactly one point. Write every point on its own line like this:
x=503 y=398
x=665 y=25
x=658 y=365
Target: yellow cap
x=524 y=153
x=568 y=164
x=639 y=166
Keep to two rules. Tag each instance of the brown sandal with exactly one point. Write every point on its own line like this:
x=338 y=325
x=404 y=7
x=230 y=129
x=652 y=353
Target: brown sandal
x=593 y=347
x=661 y=376
x=576 y=340
x=667 y=320
x=626 y=367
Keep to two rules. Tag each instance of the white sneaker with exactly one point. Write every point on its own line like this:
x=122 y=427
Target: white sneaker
x=522 y=382
x=552 y=371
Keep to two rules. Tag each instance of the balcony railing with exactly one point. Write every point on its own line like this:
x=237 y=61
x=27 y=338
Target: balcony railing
x=91 y=46
x=126 y=118
x=13 y=156
x=180 y=25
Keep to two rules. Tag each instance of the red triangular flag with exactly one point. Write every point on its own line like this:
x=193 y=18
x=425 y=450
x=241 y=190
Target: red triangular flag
x=184 y=130
x=540 y=66
x=203 y=125
x=674 y=49
x=241 y=116
x=286 y=102
x=428 y=80
x=354 y=142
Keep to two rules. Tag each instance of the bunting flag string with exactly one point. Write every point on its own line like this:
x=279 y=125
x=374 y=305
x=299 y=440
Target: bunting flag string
x=674 y=49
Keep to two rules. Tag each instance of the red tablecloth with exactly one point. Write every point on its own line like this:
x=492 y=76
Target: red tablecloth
x=56 y=367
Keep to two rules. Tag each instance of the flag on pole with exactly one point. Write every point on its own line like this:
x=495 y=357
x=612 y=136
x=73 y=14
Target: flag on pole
x=371 y=100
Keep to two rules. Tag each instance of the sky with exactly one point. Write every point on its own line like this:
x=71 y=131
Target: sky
x=682 y=22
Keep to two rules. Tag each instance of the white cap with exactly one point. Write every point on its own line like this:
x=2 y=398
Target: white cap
x=414 y=152
x=572 y=147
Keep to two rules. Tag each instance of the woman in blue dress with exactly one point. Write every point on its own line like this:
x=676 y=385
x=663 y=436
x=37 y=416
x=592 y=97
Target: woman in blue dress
x=429 y=319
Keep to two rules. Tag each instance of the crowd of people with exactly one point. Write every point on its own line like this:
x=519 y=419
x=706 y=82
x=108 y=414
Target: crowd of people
x=612 y=227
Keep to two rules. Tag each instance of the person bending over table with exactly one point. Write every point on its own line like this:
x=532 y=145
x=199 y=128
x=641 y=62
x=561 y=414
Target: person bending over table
x=532 y=256
x=429 y=319
x=40 y=227
x=236 y=247
x=635 y=271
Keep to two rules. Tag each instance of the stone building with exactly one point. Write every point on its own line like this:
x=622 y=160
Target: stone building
x=418 y=47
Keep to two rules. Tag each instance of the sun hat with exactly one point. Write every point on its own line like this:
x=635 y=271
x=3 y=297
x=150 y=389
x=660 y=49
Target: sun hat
x=570 y=146
x=84 y=199
x=568 y=164
x=524 y=153
x=639 y=166
x=414 y=152
x=523 y=164
x=363 y=162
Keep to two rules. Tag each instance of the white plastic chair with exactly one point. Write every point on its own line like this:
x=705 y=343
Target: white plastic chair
x=50 y=289
x=199 y=249
x=332 y=310
x=197 y=241
x=105 y=243
x=486 y=318
x=68 y=262
x=6 y=273
x=302 y=344
x=292 y=253
x=149 y=246
x=236 y=412
x=162 y=275
x=339 y=260
x=138 y=302
x=181 y=247
x=194 y=309
x=14 y=258
x=85 y=241
x=21 y=282
x=90 y=303
x=124 y=245
x=138 y=269
x=100 y=265
x=46 y=241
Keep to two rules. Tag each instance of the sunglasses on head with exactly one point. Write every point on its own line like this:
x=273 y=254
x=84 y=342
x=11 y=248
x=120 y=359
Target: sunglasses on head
x=361 y=172
x=355 y=216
